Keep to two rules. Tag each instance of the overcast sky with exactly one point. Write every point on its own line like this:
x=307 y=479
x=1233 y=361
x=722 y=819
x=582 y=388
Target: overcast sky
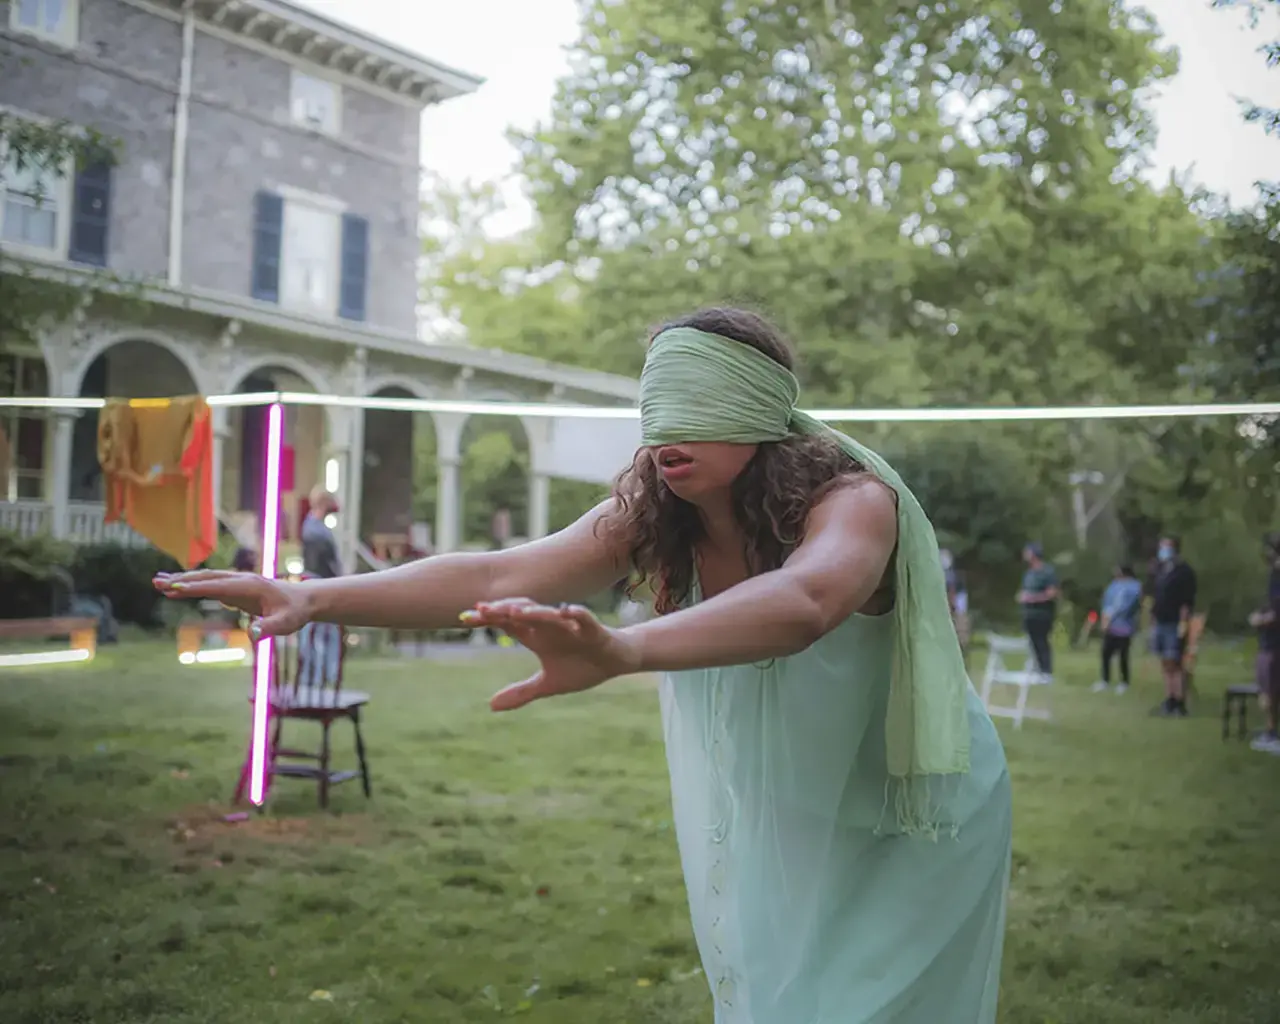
x=519 y=46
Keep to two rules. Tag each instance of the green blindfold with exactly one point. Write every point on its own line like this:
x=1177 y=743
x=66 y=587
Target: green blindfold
x=697 y=386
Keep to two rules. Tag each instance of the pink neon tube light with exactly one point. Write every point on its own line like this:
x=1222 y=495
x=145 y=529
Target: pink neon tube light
x=270 y=551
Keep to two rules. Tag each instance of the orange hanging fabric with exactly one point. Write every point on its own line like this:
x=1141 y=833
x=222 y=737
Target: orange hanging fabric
x=157 y=460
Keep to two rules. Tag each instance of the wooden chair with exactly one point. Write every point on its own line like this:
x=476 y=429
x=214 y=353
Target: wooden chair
x=1237 y=698
x=308 y=687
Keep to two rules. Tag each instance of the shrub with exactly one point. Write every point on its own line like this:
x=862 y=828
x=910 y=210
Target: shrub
x=33 y=578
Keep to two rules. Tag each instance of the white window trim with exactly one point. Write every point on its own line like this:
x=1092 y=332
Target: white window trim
x=334 y=130
x=62 y=197
x=324 y=204
x=293 y=194
x=69 y=34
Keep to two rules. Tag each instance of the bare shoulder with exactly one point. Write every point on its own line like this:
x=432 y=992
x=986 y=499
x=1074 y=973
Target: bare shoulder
x=860 y=501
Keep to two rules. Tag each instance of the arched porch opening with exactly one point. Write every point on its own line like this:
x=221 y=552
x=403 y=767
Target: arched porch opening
x=131 y=368
x=399 y=448
x=243 y=479
x=495 y=482
x=25 y=444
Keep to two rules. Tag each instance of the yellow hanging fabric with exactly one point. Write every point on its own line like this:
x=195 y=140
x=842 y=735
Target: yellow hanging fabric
x=157 y=460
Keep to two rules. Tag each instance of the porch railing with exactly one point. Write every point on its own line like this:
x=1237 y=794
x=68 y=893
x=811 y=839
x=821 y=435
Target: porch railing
x=84 y=523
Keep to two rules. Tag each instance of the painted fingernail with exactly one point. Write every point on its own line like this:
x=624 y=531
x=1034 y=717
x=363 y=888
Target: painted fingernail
x=177 y=586
x=468 y=617
x=255 y=630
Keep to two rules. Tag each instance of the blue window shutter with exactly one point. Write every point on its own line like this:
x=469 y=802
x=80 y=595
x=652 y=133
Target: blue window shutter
x=268 y=229
x=355 y=267
x=91 y=215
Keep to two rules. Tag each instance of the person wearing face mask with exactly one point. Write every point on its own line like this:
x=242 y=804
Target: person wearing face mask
x=1039 y=600
x=1266 y=620
x=1175 y=599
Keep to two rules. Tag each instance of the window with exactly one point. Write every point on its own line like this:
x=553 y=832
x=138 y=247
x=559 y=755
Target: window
x=309 y=255
x=34 y=212
x=315 y=103
x=50 y=19
x=22 y=435
x=309 y=259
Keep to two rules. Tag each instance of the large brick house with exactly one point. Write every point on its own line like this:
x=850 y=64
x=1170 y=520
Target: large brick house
x=259 y=231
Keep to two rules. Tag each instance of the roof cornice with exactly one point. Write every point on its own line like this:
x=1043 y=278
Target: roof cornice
x=302 y=34
x=271 y=318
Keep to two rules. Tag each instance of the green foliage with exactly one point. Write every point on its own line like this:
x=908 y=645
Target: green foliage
x=1266 y=116
x=495 y=474
x=32 y=575
x=525 y=868
x=976 y=494
x=37 y=572
x=28 y=299
x=123 y=575
x=943 y=205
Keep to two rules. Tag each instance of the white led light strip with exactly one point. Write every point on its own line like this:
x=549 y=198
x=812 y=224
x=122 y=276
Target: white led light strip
x=586 y=412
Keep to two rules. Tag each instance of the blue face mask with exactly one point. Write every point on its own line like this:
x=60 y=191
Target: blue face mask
x=1165 y=554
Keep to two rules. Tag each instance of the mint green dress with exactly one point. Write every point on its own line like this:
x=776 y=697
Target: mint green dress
x=808 y=907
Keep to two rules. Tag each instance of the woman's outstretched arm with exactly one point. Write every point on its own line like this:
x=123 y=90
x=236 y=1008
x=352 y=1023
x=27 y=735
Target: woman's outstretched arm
x=834 y=572
x=838 y=567
x=429 y=594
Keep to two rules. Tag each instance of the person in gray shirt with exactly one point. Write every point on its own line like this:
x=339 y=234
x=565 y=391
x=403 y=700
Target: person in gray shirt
x=319 y=545
x=320 y=642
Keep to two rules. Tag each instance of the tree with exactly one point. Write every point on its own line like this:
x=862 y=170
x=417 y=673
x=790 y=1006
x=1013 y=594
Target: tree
x=942 y=203
x=27 y=300
x=1256 y=10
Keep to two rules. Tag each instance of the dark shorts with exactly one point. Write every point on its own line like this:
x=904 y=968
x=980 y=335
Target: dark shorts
x=1165 y=642
x=1267 y=674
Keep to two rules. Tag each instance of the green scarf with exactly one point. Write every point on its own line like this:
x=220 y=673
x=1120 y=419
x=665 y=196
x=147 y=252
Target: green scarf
x=701 y=387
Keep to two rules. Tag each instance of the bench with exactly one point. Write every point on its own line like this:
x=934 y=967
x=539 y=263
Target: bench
x=219 y=638
x=82 y=634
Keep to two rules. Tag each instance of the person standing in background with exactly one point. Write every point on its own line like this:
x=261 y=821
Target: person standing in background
x=1039 y=600
x=1175 y=599
x=322 y=641
x=1121 y=603
x=1266 y=620
x=319 y=546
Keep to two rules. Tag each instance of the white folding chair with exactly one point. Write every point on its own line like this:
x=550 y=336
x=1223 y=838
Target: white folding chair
x=997 y=673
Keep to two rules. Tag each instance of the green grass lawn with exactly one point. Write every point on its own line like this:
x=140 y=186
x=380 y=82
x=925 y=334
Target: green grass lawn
x=525 y=865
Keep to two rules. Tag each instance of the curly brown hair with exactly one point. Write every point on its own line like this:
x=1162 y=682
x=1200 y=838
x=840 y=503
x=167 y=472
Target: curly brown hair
x=772 y=497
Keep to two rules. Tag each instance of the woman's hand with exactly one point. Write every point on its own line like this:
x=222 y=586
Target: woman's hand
x=576 y=649
x=279 y=608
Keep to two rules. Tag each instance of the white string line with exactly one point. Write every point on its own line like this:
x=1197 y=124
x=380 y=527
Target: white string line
x=545 y=411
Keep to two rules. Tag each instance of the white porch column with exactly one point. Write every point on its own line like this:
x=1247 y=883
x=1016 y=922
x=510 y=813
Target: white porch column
x=537 y=430
x=352 y=489
x=449 y=428
x=346 y=450
x=64 y=422
x=539 y=505
x=350 y=457
x=221 y=434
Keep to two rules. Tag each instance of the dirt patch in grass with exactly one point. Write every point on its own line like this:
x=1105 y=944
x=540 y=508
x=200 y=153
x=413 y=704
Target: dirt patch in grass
x=200 y=824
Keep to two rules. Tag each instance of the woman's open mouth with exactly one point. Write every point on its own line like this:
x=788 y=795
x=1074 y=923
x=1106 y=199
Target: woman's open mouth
x=674 y=462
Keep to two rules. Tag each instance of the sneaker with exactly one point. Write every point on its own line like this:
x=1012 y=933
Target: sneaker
x=1101 y=687
x=1266 y=744
x=1165 y=709
x=1122 y=688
